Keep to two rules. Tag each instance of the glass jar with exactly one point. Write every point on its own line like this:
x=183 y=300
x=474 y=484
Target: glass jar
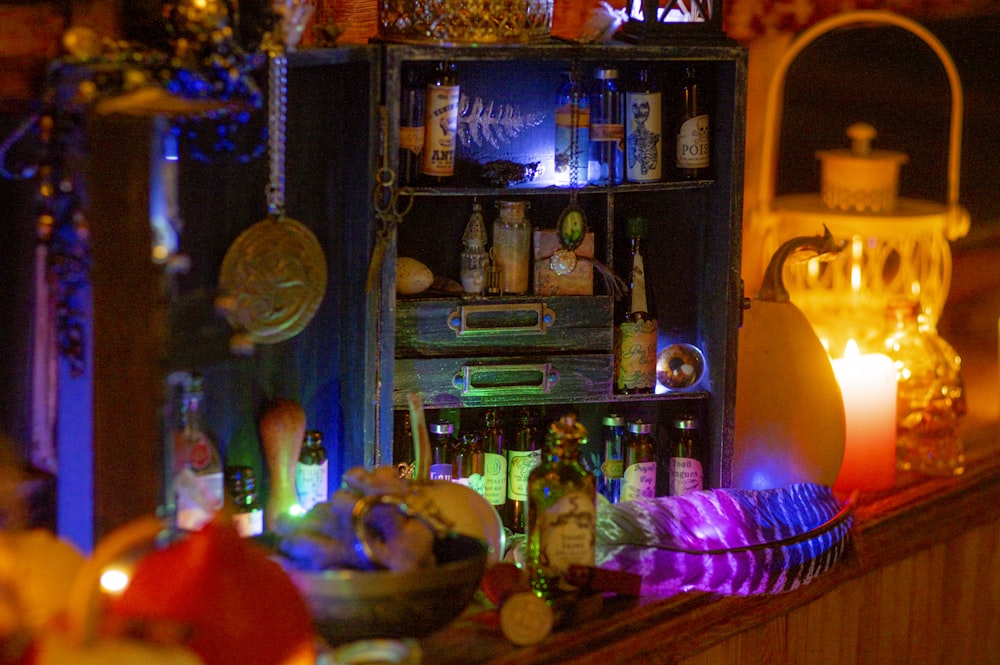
x=930 y=392
x=512 y=245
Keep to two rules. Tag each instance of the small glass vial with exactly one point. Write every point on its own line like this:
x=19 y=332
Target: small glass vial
x=613 y=467
x=512 y=246
x=312 y=473
x=474 y=256
x=572 y=139
x=686 y=472
x=469 y=463
x=248 y=513
x=640 y=463
x=442 y=450
x=607 y=130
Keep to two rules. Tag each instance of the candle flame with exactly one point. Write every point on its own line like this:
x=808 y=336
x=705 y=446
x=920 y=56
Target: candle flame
x=851 y=349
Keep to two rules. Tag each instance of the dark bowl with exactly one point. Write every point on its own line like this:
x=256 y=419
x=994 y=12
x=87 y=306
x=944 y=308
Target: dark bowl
x=350 y=605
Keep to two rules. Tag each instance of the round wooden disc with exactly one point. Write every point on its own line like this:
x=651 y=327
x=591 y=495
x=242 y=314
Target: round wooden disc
x=273 y=279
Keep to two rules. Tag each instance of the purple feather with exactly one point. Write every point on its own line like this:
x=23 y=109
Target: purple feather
x=736 y=542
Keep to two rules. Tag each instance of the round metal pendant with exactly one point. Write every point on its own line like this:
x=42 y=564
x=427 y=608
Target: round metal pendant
x=273 y=279
x=562 y=262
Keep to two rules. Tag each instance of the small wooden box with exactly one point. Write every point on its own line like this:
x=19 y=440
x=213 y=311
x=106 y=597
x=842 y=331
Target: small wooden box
x=580 y=282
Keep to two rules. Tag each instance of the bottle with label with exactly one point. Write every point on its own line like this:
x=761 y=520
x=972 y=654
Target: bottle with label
x=607 y=130
x=636 y=332
x=494 y=461
x=440 y=123
x=411 y=128
x=640 y=463
x=469 y=463
x=562 y=510
x=693 y=148
x=198 y=478
x=312 y=473
x=523 y=455
x=643 y=130
x=572 y=140
x=930 y=393
x=512 y=246
x=613 y=467
x=474 y=257
x=686 y=472
x=248 y=513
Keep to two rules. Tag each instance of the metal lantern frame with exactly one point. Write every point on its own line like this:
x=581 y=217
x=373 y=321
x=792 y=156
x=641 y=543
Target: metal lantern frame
x=649 y=20
x=904 y=252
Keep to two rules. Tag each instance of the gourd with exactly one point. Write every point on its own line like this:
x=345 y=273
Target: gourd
x=790 y=425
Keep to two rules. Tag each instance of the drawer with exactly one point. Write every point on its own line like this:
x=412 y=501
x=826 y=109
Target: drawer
x=482 y=327
x=457 y=382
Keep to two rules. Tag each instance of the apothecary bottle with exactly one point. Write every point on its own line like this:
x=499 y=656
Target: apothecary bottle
x=613 y=466
x=411 y=128
x=636 y=332
x=640 y=463
x=494 y=461
x=562 y=510
x=442 y=450
x=248 y=512
x=693 y=149
x=198 y=481
x=572 y=139
x=441 y=123
x=512 y=245
x=312 y=473
x=474 y=257
x=607 y=130
x=523 y=455
x=644 y=129
x=686 y=471
x=930 y=393
x=468 y=465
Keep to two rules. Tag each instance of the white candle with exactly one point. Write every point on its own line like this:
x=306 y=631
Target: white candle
x=868 y=385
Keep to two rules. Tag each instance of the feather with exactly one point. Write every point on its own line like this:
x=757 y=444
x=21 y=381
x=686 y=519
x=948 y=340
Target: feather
x=729 y=541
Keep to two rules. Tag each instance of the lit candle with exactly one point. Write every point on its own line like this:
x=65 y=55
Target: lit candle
x=868 y=385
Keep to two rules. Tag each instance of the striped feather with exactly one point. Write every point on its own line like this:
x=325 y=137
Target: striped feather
x=735 y=542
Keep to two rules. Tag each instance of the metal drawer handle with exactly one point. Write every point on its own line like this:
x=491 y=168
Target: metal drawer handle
x=501 y=319
x=500 y=379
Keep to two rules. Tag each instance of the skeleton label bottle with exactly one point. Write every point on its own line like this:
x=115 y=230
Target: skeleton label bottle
x=643 y=130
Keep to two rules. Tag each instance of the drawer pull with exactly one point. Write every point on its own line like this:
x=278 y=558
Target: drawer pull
x=499 y=379
x=501 y=319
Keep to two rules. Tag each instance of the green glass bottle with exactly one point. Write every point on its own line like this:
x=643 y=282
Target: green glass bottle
x=562 y=509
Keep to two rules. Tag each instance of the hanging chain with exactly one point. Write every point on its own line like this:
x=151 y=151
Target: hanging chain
x=277 y=105
x=574 y=139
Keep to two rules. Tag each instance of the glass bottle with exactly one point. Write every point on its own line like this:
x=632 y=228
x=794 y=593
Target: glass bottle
x=440 y=123
x=442 y=450
x=693 y=148
x=248 y=513
x=640 y=463
x=686 y=472
x=312 y=473
x=572 y=140
x=930 y=393
x=613 y=467
x=198 y=480
x=643 y=130
x=411 y=128
x=636 y=332
x=468 y=463
x=607 y=130
x=494 y=461
x=474 y=256
x=523 y=455
x=512 y=246
x=562 y=511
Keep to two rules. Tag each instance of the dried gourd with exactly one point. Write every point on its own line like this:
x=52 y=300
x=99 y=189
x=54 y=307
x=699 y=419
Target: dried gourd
x=790 y=425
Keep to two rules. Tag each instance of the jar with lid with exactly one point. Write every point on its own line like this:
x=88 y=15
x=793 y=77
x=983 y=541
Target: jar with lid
x=930 y=392
x=612 y=468
x=640 y=463
x=512 y=246
x=248 y=512
x=442 y=450
x=607 y=130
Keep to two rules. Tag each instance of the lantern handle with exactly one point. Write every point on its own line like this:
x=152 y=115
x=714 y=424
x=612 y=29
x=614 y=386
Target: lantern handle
x=958 y=218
